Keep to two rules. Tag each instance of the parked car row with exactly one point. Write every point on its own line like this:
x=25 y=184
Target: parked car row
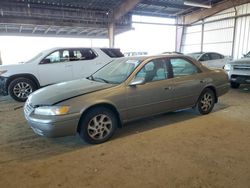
x=238 y=70
x=94 y=91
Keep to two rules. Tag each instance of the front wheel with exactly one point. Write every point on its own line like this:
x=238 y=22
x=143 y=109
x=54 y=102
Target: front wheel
x=20 y=88
x=98 y=125
x=205 y=102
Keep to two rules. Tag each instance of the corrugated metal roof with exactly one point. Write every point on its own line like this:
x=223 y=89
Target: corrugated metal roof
x=78 y=18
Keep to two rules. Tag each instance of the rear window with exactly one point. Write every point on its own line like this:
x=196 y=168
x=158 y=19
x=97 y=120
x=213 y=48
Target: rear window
x=112 y=52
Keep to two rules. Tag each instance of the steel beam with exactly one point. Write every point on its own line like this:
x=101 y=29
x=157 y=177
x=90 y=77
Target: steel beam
x=202 y=14
x=124 y=8
x=47 y=30
x=165 y=4
x=34 y=30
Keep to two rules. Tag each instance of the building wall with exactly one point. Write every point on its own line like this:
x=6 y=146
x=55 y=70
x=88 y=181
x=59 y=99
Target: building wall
x=242 y=34
x=230 y=36
x=192 y=39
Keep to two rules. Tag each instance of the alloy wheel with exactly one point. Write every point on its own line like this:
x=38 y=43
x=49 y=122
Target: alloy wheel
x=99 y=127
x=22 y=90
x=206 y=102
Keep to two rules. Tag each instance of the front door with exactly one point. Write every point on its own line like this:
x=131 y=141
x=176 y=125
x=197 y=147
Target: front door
x=55 y=68
x=154 y=96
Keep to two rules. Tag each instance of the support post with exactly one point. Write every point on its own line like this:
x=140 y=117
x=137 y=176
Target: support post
x=111 y=32
x=1 y=62
x=179 y=34
x=202 y=35
x=234 y=33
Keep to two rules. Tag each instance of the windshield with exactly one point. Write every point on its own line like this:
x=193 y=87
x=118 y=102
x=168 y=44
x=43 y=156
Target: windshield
x=37 y=56
x=195 y=55
x=116 y=71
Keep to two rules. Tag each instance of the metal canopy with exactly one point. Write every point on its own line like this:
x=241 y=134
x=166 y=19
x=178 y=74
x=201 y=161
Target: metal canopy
x=81 y=18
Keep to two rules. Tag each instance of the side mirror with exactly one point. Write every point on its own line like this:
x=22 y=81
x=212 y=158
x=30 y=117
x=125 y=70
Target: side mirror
x=45 y=61
x=137 y=81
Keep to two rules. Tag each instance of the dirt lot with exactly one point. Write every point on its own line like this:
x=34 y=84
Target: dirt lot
x=179 y=149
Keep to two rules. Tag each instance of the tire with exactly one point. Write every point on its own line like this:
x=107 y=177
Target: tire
x=206 y=101
x=98 y=125
x=20 y=88
x=235 y=85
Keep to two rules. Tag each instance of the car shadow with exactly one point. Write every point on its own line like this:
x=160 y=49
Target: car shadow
x=166 y=119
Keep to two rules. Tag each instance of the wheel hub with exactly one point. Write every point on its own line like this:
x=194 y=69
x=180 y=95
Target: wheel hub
x=22 y=90
x=206 y=102
x=99 y=127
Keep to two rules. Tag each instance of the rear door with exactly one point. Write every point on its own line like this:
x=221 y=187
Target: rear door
x=85 y=62
x=55 y=68
x=187 y=82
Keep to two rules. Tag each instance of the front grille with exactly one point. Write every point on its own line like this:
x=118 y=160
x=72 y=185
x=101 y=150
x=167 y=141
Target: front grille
x=28 y=109
x=242 y=67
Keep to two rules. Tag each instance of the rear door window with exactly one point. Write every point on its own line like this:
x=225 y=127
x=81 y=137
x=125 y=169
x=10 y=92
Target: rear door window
x=182 y=67
x=82 y=54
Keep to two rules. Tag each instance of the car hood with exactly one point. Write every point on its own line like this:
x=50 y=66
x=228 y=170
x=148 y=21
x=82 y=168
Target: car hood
x=55 y=93
x=245 y=61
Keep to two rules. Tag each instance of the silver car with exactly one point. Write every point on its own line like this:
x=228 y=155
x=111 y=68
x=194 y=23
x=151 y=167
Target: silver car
x=211 y=59
x=124 y=90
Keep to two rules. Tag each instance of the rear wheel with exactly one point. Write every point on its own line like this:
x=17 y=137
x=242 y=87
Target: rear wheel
x=235 y=85
x=20 y=88
x=98 y=125
x=205 y=102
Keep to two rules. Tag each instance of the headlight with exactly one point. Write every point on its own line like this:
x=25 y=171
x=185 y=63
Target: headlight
x=52 y=110
x=2 y=72
x=227 y=67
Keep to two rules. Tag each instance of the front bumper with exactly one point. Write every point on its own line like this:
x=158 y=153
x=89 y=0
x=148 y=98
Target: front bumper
x=3 y=85
x=241 y=79
x=53 y=126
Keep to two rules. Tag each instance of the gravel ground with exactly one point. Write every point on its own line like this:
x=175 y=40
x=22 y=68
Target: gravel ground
x=178 y=149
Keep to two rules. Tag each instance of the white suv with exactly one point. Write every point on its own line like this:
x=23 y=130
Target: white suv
x=52 y=66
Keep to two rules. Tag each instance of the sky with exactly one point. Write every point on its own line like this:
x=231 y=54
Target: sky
x=153 y=39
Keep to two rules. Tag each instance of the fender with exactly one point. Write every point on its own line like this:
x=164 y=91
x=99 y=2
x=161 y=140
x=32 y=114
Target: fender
x=24 y=75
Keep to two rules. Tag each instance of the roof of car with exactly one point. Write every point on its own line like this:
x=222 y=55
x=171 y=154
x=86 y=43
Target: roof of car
x=152 y=56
